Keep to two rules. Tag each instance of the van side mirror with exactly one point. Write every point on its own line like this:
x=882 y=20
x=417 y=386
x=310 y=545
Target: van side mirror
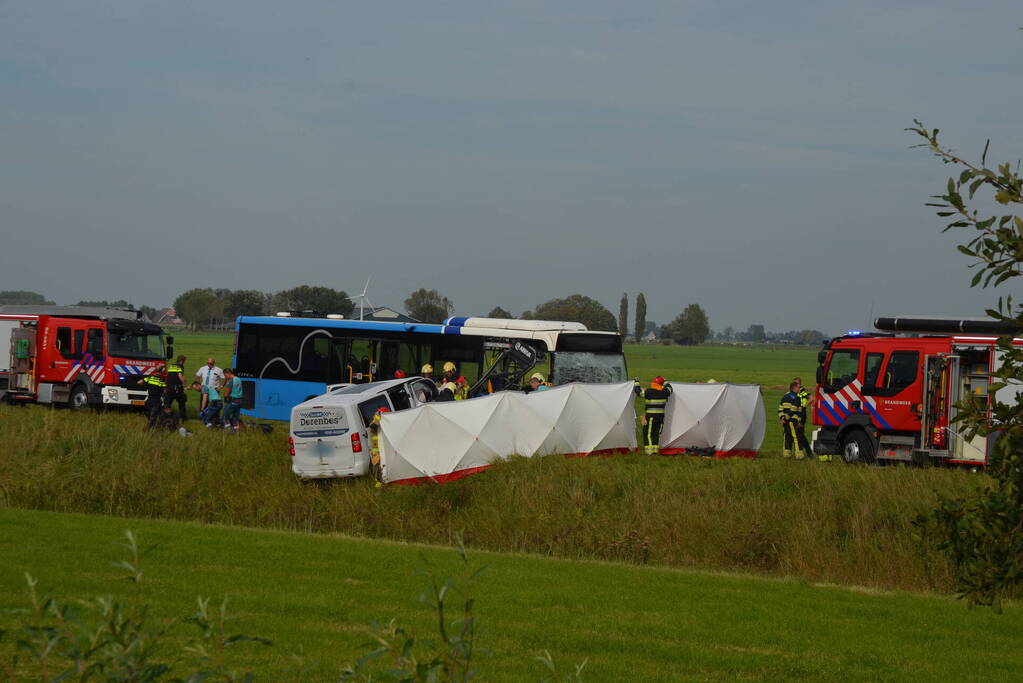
x=170 y=352
x=822 y=356
x=820 y=375
x=170 y=340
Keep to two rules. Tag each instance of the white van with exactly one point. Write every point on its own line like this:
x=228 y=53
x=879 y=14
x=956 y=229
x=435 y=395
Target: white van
x=329 y=436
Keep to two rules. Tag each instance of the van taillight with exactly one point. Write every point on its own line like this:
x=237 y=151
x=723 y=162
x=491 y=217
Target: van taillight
x=291 y=445
x=356 y=443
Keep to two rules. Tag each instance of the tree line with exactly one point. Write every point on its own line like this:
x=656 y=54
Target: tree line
x=213 y=308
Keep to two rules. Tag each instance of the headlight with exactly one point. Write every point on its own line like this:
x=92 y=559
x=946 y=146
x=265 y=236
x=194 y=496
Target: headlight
x=112 y=393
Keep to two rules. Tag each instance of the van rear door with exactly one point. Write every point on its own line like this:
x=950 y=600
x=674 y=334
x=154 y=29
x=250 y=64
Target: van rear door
x=323 y=443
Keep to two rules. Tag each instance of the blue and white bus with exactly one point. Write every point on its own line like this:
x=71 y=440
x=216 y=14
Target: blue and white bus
x=286 y=359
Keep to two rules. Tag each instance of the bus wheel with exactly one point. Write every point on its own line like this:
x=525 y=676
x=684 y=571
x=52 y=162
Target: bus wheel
x=79 y=397
x=857 y=447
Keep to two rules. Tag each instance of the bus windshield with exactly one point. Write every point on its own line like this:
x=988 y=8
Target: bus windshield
x=582 y=366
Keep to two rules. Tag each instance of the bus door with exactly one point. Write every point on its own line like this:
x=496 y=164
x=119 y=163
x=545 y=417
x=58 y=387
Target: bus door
x=387 y=359
x=337 y=368
x=359 y=365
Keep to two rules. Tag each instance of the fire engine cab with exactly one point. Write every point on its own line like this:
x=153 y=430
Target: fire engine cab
x=887 y=396
x=80 y=357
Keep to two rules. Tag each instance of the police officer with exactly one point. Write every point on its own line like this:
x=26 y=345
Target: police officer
x=156 y=386
x=805 y=399
x=790 y=414
x=656 y=398
x=176 y=385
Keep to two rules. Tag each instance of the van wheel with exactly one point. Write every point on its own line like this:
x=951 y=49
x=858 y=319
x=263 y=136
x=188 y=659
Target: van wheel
x=857 y=447
x=79 y=397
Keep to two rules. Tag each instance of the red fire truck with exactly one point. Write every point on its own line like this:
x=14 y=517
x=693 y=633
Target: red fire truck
x=893 y=397
x=80 y=357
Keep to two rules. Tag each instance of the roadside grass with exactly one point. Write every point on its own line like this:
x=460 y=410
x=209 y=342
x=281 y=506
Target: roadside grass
x=772 y=367
x=312 y=595
x=821 y=522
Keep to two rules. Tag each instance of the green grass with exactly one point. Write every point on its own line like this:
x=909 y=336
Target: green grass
x=312 y=594
x=823 y=522
x=198 y=346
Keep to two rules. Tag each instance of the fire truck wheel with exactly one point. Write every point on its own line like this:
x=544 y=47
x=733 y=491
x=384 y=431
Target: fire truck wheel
x=79 y=397
x=857 y=447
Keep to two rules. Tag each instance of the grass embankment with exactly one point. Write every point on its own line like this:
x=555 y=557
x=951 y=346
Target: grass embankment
x=822 y=522
x=314 y=594
x=772 y=367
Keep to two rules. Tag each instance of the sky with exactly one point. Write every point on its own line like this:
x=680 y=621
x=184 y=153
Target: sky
x=747 y=156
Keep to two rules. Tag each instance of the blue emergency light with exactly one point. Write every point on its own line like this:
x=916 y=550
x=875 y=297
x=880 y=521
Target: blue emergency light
x=853 y=333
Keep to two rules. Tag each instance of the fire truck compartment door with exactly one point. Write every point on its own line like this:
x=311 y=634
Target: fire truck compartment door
x=1012 y=388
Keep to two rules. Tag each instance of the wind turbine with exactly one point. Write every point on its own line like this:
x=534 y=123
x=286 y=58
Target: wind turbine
x=363 y=299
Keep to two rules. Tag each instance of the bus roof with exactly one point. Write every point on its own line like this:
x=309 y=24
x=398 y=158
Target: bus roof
x=545 y=331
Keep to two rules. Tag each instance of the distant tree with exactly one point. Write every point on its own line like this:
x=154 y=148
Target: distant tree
x=809 y=337
x=650 y=326
x=498 y=312
x=526 y=315
x=309 y=298
x=24 y=298
x=728 y=334
x=120 y=303
x=755 y=333
x=690 y=327
x=149 y=312
x=428 y=305
x=641 y=327
x=623 y=316
x=199 y=307
x=580 y=309
x=245 y=302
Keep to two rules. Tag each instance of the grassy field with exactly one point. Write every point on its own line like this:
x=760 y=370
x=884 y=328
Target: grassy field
x=771 y=367
x=313 y=594
x=820 y=521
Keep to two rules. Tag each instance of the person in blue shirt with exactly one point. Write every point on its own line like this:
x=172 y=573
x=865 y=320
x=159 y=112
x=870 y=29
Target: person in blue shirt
x=537 y=383
x=232 y=395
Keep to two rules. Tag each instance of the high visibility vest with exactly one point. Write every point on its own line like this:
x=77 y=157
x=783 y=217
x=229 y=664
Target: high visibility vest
x=175 y=368
x=155 y=382
x=656 y=399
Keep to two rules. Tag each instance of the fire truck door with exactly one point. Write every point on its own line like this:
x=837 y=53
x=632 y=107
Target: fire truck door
x=970 y=382
x=899 y=389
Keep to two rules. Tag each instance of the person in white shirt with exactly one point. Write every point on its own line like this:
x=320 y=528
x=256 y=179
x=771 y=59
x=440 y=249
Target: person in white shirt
x=209 y=376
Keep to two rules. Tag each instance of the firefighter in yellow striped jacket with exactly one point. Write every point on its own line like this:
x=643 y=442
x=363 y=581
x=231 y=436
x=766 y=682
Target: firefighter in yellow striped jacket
x=656 y=399
x=790 y=414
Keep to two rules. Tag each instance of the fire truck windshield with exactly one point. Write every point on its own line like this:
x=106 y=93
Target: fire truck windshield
x=136 y=344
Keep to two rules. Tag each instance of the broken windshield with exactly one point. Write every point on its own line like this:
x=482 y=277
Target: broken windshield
x=582 y=366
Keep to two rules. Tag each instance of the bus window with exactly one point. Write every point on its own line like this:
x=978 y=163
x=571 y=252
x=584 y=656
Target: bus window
x=386 y=360
x=337 y=370
x=842 y=369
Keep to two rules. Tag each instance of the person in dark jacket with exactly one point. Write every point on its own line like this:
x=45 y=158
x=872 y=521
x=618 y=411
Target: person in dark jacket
x=156 y=388
x=790 y=414
x=656 y=400
x=176 y=385
x=447 y=392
